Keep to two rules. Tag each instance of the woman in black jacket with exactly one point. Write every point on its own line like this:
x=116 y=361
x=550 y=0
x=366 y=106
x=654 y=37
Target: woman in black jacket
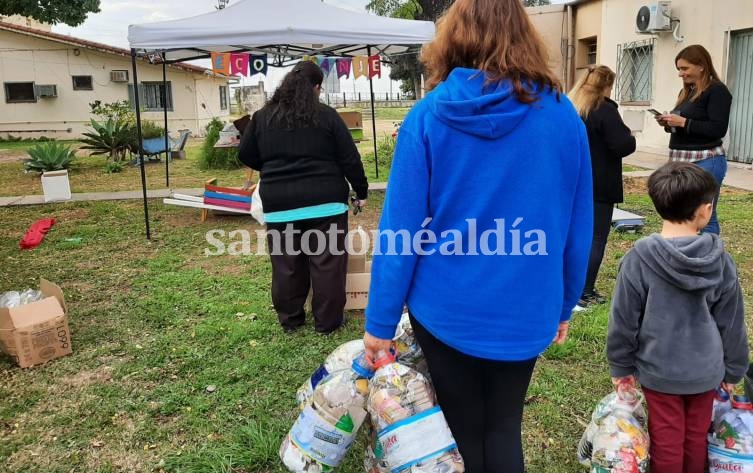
x=306 y=157
x=610 y=141
x=700 y=118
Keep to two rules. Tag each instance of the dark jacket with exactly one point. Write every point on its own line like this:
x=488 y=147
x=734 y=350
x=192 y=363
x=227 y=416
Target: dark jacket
x=677 y=318
x=610 y=141
x=302 y=167
x=707 y=119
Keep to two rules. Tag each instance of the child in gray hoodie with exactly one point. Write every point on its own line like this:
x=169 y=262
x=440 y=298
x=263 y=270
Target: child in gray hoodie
x=677 y=321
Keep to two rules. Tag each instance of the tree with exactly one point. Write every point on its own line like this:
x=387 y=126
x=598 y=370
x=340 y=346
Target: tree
x=70 y=12
x=406 y=67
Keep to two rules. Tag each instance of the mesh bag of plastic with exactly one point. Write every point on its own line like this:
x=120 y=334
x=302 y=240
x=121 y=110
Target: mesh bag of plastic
x=411 y=433
x=340 y=359
x=615 y=441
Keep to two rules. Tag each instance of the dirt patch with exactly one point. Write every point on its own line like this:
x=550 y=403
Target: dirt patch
x=102 y=374
x=12 y=155
x=635 y=185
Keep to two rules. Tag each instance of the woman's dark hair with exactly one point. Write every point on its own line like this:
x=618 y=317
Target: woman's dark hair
x=294 y=103
x=677 y=189
x=493 y=36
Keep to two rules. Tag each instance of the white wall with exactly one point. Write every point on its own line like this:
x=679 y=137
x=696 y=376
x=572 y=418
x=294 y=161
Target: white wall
x=702 y=22
x=25 y=58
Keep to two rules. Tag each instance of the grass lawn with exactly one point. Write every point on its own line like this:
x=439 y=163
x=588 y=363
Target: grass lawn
x=87 y=175
x=155 y=322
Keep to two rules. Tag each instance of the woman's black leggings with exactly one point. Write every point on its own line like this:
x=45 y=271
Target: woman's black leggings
x=602 y=225
x=482 y=401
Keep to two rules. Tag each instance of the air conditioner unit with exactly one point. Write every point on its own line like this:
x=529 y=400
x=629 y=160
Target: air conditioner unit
x=47 y=91
x=119 y=76
x=654 y=17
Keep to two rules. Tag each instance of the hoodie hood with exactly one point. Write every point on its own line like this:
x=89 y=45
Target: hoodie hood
x=690 y=263
x=463 y=102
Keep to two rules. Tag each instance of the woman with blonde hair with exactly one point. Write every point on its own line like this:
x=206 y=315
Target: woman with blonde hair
x=490 y=205
x=700 y=118
x=609 y=141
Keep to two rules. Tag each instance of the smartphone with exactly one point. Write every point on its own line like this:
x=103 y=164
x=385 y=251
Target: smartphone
x=654 y=111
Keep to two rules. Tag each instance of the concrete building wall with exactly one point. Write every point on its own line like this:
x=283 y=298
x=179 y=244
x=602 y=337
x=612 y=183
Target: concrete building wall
x=25 y=58
x=550 y=22
x=701 y=22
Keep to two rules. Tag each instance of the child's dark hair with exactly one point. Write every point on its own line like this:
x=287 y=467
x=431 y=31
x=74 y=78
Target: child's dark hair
x=677 y=189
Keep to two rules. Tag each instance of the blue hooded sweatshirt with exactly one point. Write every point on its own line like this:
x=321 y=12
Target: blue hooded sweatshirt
x=470 y=158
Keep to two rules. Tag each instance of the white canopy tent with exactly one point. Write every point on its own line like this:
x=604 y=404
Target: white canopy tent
x=286 y=30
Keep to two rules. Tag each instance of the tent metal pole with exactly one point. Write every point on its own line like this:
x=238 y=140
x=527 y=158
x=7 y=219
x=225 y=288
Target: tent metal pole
x=373 y=118
x=164 y=107
x=139 y=140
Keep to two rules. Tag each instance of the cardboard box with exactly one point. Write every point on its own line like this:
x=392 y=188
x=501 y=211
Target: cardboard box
x=352 y=119
x=357 y=289
x=38 y=332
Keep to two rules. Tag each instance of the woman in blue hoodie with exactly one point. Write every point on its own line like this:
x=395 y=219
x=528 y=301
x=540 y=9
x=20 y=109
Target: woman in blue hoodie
x=490 y=191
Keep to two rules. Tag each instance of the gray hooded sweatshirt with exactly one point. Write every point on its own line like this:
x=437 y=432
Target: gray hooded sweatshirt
x=677 y=319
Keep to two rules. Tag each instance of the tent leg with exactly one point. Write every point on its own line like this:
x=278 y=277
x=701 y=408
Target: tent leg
x=139 y=140
x=373 y=118
x=164 y=107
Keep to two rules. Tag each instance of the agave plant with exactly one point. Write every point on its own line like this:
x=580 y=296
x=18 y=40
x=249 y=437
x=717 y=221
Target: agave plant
x=49 y=156
x=111 y=137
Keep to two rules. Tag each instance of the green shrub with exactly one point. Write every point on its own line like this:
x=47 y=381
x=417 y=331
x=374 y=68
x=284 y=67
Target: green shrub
x=49 y=157
x=113 y=167
x=150 y=130
x=217 y=158
x=111 y=138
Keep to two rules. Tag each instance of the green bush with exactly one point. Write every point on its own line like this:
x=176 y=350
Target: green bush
x=151 y=130
x=113 y=167
x=111 y=138
x=217 y=158
x=49 y=157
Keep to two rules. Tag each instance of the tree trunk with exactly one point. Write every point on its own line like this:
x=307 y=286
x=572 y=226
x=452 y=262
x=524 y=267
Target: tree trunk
x=417 y=91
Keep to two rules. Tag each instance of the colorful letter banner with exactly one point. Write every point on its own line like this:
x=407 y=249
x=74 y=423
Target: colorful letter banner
x=343 y=67
x=239 y=64
x=375 y=66
x=221 y=63
x=360 y=66
x=258 y=64
x=326 y=66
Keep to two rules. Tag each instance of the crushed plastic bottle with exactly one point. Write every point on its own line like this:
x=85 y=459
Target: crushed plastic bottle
x=409 y=352
x=340 y=359
x=412 y=435
x=327 y=426
x=12 y=299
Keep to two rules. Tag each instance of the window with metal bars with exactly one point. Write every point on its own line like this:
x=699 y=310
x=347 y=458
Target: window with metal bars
x=634 y=70
x=150 y=96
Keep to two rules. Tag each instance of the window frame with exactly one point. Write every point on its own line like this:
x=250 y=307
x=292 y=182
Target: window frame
x=78 y=87
x=224 y=100
x=629 y=88
x=146 y=96
x=7 y=92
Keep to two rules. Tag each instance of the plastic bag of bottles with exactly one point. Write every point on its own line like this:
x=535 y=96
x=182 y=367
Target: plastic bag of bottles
x=409 y=353
x=731 y=442
x=615 y=440
x=340 y=359
x=14 y=298
x=412 y=435
x=327 y=426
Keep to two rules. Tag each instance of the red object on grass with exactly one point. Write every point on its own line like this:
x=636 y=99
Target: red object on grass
x=36 y=232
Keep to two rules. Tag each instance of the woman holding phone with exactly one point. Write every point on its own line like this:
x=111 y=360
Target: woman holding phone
x=700 y=118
